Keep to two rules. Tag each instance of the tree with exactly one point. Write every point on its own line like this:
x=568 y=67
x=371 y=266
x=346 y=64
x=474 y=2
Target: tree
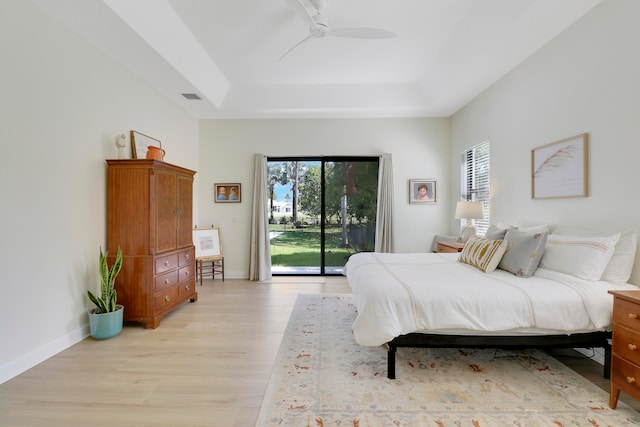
x=276 y=174
x=295 y=176
x=310 y=192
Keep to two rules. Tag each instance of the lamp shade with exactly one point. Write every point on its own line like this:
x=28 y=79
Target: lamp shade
x=469 y=210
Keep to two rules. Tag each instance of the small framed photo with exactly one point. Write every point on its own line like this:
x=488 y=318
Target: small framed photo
x=422 y=191
x=227 y=193
x=140 y=144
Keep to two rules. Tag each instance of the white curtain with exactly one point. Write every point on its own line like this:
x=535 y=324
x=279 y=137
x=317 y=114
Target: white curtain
x=260 y=251
x=384 y=220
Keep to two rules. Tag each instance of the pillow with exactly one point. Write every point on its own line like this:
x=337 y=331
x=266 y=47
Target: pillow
x=523 y=252
x=494 y=233
x=544 y=228
x=619 y=268
x=482 y=253
x=583 y=257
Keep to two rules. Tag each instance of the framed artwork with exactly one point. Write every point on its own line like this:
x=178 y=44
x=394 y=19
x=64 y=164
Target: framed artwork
x=140 y=142
x=227 y=193
x=207 y=242
x=560 y=169
x=422 y=191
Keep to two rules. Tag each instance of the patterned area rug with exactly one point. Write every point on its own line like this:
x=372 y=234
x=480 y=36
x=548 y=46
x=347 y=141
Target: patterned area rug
x=322 y=378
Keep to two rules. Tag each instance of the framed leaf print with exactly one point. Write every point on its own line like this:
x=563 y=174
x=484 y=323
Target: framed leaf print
x=560 y=169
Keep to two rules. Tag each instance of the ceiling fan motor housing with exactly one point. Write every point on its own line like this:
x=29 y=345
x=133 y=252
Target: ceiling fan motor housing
x=321 y=26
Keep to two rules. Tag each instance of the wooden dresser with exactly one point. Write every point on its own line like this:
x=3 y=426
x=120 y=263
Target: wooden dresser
x=149 y=215
x=450 y=246
x=625 y=360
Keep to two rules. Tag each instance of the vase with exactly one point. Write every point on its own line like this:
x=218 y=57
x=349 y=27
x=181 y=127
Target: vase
x=103 y=326
x=155 y=153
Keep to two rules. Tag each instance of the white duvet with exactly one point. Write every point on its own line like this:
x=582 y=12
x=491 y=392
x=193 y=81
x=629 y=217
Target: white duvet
x=396 y=294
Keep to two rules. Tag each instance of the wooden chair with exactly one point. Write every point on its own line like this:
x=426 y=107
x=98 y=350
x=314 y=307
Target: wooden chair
x=209 y=258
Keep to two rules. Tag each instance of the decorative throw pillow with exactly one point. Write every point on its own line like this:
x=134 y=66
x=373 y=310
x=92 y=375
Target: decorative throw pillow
x=482 y=253
x=542 y=228
x=524 y=252
x=495 y=233
x=619 y=268
x=583 y=257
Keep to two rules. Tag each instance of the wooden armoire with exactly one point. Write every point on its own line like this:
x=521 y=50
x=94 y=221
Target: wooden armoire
x=149 y=215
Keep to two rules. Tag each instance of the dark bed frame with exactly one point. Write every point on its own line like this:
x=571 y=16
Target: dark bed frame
x=585 y=340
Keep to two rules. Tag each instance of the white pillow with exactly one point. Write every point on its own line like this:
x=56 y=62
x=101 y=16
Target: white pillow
x=543 y=228
x=619 y=268
x=579 y=256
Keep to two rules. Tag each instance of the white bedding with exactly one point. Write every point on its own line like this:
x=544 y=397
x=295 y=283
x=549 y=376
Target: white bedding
x=396 y=294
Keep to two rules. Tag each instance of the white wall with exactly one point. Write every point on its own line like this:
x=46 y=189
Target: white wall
x=585 y=80
x=62 y=104
x=227 y=148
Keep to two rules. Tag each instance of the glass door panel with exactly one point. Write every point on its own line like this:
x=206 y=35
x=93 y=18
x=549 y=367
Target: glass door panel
x=320 y=212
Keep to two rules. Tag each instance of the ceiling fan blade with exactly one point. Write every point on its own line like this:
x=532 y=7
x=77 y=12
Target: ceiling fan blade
x=296 y=45
x=362 y=33
x=301 y=10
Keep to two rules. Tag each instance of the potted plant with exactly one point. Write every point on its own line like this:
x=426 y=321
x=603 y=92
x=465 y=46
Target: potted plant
x=105 y=321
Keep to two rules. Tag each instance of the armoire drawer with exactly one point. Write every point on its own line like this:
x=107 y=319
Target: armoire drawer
x=185 y=273
x=186 y=289
x=166 y=263
x=167 y=299
x=186 y=257
x=166 y=281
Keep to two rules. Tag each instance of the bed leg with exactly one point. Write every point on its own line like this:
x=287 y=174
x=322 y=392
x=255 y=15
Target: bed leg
x=391 y=362
x=607 y=361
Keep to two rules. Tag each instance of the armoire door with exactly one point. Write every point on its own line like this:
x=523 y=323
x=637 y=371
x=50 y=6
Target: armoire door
x=166 y=211
x=185 y=211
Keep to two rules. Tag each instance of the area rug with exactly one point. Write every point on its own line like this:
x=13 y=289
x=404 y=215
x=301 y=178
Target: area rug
x=322 y=378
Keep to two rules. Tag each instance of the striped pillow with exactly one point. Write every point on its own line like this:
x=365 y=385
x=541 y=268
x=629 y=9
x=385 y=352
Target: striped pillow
x=579 y=256
x=482 y=253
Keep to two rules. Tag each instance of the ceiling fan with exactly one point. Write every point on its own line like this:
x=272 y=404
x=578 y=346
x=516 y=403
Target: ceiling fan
x=319 y=26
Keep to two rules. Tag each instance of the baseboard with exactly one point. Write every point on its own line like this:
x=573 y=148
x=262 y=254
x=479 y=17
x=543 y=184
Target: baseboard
x=39 y=355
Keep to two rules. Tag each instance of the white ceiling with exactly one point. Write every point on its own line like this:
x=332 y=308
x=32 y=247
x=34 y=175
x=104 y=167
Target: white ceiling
x=446 y=51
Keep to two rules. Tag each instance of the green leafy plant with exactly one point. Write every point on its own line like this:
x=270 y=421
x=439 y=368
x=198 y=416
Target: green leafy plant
x=106 y=303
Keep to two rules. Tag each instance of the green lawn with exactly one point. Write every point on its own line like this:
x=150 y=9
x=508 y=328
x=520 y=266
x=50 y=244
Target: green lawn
x=300 y=247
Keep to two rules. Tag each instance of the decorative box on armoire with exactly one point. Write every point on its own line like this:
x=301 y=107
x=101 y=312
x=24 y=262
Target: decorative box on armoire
x=149 y=215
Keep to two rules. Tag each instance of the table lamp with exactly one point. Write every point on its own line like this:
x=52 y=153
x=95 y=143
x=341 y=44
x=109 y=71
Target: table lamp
x=468 y=210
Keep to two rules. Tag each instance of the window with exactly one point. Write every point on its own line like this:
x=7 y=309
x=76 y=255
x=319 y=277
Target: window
x=475 y=181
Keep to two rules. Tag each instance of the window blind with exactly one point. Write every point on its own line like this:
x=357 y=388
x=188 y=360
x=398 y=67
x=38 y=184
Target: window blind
x=475 y=168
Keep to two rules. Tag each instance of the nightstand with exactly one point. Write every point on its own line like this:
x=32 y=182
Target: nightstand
x=625 y=353
x=450 y=247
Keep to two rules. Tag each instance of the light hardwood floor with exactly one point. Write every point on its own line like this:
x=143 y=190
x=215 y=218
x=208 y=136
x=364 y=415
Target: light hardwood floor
x=207 y=364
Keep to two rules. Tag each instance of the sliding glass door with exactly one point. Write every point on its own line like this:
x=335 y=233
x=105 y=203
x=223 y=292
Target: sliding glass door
x=321 y=211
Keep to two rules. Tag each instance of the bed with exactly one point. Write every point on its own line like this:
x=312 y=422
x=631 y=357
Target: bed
x=434 y=300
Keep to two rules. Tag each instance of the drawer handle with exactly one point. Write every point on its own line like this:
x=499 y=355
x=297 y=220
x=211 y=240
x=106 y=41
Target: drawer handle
x=167 y=281
x=168 y=298
x=187 y=256
x=187 y=287
x=186 y=273
x=633 y=316
x=631 y=380
x=166 y=263
x=632 y=347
